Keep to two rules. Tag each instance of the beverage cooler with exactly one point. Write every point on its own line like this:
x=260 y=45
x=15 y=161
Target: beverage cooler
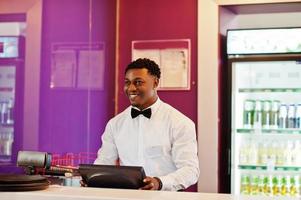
x=265 y=74
x=11 y=103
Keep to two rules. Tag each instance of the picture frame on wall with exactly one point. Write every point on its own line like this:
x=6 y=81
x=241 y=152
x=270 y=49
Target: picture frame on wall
x=172 y=56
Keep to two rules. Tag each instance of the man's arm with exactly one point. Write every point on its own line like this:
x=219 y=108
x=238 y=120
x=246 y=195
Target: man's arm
x=184 y=155
x=107 y=154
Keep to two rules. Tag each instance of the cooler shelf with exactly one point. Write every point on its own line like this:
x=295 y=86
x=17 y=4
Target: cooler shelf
x=276 y=168
x=244 y=90
x=268 y=131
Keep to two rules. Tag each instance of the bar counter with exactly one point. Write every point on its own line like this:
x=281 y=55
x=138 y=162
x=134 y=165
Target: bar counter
x=55 y=192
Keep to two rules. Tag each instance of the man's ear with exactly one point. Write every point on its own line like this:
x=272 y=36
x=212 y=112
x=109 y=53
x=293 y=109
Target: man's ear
x=156 y=82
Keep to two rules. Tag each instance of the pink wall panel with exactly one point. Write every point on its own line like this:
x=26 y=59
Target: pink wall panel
x=157 y=20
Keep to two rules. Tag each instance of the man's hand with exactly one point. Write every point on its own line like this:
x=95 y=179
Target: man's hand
x=83 y=184
x=151 y=183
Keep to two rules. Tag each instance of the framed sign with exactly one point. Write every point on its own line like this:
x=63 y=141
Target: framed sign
x=173 y=58
x=78 y=65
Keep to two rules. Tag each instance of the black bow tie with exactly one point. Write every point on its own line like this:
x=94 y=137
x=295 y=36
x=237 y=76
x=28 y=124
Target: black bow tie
x=146 y=113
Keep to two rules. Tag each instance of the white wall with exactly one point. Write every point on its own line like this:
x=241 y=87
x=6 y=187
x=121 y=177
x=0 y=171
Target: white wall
x=209 y=27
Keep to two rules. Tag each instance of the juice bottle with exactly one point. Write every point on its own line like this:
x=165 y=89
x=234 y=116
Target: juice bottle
x=283 y=116
x=254 y=189
x=248 y=115
x=266 y=114
x=261 y=184
x=267 y=185
x=298 y=116
x=253 y=153
x=274 y=120
x=258 y=115
x=243 y=154
x=291 y=116
x=276 y=186
x=294 y=188
x=245 y=184
x=284 y=189
x=262 y=153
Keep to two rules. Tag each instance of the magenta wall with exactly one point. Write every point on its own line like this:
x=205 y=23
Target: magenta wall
x=157 y=19
x=72 y=120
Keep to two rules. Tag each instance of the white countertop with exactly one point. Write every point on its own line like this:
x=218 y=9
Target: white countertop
x=55 y=192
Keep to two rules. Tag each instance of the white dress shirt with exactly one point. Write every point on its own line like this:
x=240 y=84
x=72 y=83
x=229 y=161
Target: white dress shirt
x=164 y=145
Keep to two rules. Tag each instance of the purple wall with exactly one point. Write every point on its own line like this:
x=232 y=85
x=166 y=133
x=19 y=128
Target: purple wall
x=157 y=19
x=72 y=119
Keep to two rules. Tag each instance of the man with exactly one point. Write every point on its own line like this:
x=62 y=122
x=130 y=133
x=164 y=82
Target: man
x=161 y=139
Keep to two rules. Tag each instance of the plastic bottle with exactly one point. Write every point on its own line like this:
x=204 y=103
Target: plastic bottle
x=266 y=114
x=280 y=154
x=282 y=116
x=274 y=120
x=294 y=186
x=284 y=190
x=276 y=186
x=244 y=184
x=291 y=116
x=253 y=153
x=298 y=116
x=254 y=189
x=267 y=185
x=261 y=184
x=248 y=115
x=243 y=154
x=258 y=115
x=288 y=153
x=262 y=153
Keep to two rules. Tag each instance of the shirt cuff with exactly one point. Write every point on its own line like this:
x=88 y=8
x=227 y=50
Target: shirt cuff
x=168 y=183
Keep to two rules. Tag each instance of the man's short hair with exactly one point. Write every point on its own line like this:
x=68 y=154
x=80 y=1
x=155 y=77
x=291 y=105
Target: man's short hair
x=150 y=65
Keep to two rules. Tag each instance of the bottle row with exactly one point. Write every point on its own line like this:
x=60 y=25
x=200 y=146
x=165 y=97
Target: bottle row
x=6 y=141
x=271 y=114
x=272 y=153
x=6 y=112
x=270 y=185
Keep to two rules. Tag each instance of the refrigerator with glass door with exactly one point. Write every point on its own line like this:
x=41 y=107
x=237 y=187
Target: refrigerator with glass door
x=265 y=86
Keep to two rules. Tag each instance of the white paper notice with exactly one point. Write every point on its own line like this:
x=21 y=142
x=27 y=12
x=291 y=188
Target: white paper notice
x=63 y=66
x=91 y=69
x=174 y=67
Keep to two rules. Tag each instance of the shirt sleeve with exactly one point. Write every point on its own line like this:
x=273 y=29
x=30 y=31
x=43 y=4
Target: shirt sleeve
x=184 y=155
x=107 y=154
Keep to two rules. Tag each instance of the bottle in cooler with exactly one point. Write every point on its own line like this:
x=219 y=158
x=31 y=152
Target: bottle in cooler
x=254 y=189
x=288 y=184
x=266 y=114
x=245 y=184
x=267 y=185
x=298 y=116
x=288 y=153
x=243 y=154
x=262 y=153
x=299 y=182
x=291 y=116
x=258 y=115
x=282 y=116
x=297 y=153
x=248 y=115
x=253 y=153
x=276 y=186
x=261 y=184
x=280 y=159
x=294 y=185
x=284 y=189
x=274 y=119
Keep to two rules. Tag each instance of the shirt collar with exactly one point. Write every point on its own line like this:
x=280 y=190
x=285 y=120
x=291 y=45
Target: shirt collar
x=154 y=106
